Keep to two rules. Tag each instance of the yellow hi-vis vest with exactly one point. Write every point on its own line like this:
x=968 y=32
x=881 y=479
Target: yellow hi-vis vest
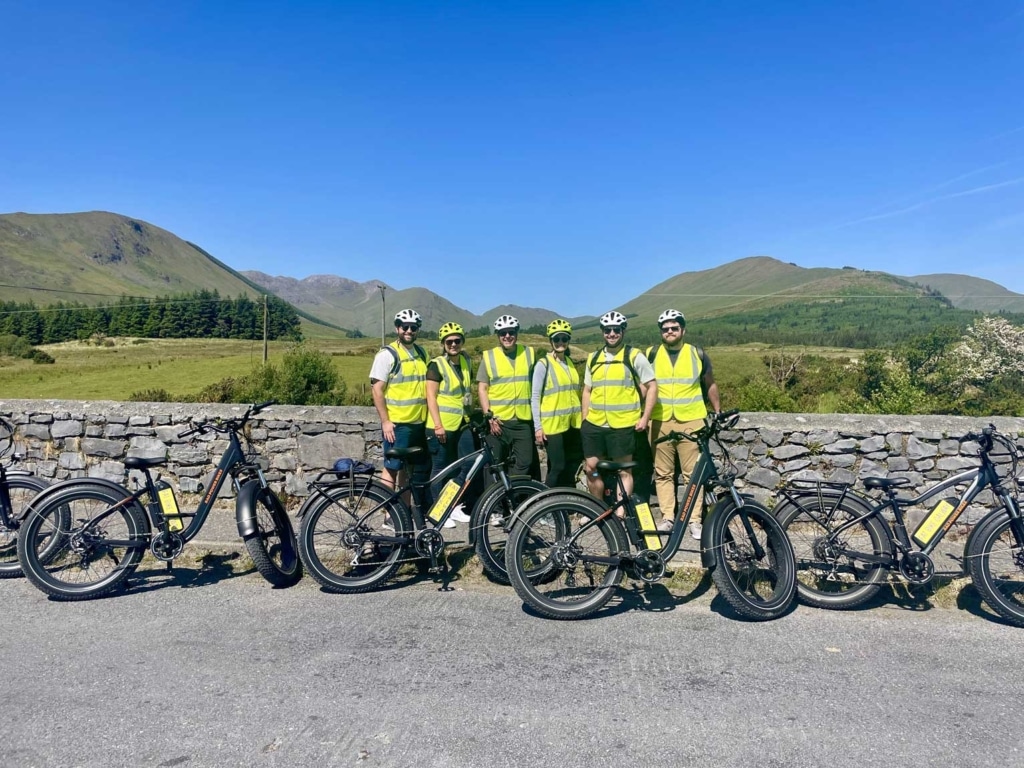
x=508 y=388
x=406 y=393
x=560 y=398
x=451 y=390
x=614 y=398
x=679 y=393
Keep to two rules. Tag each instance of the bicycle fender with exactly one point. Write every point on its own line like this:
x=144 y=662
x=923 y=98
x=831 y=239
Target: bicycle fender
x=863 y=503
x=995 y=517
x=707 y=554
x=245 y=508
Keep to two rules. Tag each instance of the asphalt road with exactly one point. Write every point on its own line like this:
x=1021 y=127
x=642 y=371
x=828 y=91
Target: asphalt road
x=213 y=669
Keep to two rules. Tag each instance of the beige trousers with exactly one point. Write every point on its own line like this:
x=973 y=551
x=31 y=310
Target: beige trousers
x=665 y=455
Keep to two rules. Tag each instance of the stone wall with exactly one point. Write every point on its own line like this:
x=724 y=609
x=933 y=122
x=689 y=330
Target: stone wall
x=64 y=439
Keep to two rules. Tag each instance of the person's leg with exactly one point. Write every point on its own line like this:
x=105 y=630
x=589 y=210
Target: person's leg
x=573 y=452
x=556 y=460
x=688 y=455
x=419 y=466
x=593 y=449
x=664 y=469
x=521 y=435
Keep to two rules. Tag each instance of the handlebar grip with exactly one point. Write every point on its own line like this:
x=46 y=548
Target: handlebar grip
x=256 y=408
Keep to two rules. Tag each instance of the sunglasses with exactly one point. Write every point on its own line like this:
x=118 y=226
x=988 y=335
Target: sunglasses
x=406 y=327
x=508 y=333
x=560 y=338
x=452 y=342
x=612 y=329
x=671 y=329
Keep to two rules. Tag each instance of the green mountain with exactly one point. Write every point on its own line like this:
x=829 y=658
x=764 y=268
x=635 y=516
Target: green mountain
x=973 y=293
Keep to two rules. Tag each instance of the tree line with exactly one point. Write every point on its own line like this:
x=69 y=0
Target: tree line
x=199 y=314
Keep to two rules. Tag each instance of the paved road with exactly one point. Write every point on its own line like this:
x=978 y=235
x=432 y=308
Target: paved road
x=213 y=669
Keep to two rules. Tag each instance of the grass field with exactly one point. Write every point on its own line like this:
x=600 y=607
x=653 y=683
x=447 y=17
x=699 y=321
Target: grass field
x=84 y=371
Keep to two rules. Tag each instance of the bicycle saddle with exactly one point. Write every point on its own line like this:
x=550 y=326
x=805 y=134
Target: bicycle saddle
x=885 y=482
x=135 y=462
x=402 y=453
x=615 y=466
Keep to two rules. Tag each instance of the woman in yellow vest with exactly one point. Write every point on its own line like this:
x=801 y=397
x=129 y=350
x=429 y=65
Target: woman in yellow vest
x=555 y=402
x=619 y=391
x=449 y=394
x=504 y=383
x=684 y=381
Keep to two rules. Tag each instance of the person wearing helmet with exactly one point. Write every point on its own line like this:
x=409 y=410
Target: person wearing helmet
x=619 y=392
x=398 y=386
x=449 y=380
x=685 y=388
x=556 y=407
x=503 y=380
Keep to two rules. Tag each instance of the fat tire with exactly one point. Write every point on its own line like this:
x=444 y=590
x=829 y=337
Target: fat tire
x=58 y=520
x=324 y=521
x=491 y=539
x=272 y=548
x=993 y=556
x=741 y=581
x=536 y=579
x=9 y=565
x=816 y=588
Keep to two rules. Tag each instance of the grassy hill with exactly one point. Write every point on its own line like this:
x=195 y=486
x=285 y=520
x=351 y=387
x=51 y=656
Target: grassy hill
x=973 y=292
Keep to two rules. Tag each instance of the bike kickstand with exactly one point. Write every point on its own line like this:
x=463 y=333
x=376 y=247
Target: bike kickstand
x=442 y=574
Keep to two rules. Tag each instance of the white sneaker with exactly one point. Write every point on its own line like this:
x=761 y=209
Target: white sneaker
x=695 y=529
x=449 y=523
x=459 y=514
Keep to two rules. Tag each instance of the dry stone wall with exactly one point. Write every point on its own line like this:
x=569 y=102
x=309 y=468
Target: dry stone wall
x=62 y=439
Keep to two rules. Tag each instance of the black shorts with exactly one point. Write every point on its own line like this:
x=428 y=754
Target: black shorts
x=607 y=442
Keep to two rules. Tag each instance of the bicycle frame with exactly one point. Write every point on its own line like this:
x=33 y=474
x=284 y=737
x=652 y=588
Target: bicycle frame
x=6 y=508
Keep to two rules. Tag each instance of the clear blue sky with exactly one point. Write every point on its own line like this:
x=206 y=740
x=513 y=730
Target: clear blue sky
x=568 y=155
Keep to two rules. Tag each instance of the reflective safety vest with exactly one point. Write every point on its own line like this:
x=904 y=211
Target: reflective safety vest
x=560 y=398
x=679 y=393
x=508 y=388
x=406 y=393
x=451 y=392
x=614 y=391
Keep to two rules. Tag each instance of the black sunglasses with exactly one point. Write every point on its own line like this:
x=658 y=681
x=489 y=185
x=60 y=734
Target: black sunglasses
x=453 y=340
x=671 y=329
x=407 y=327
x=560 y=338
x=508 y=333
x=612 y=329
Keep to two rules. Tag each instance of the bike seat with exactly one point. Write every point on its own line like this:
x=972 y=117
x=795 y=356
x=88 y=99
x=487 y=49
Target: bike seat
x=885 y=482
x=403 y=453
x=615 y=466
x=135 y=462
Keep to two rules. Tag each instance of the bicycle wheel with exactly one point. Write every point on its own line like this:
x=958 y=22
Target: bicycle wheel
x=996 y=564
x=566 y=575
x=77 y=545
x=22 y=489
x=348 y=539
x=272 y=548
x=491 y=517
x=830 y=568
x=755 y=573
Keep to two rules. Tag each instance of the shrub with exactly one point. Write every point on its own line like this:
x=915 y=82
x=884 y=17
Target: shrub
x=151 y=396
x=39 y=357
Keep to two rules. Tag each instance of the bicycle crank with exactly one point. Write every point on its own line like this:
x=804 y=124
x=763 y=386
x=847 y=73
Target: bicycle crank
x=917 y=568
x=648 y=565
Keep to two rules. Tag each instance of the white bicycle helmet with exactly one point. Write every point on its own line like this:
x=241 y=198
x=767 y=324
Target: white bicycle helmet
x=506 y=323
x=613 y=318
x=408 y=316
x=672 y=314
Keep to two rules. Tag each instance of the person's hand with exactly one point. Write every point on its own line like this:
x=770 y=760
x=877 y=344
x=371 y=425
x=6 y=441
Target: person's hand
x=540 y=437
x=495 y=425
x=388 y=428
x=440 y=433
x=641 y=426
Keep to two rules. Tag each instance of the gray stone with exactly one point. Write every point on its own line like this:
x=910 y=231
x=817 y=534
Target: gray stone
x=877 y=455
x=114 y=430
x=258 y=435
x=190 y=485
x=286 y=462
x=147 y=448
x=932 y=435
x=93 y=430
x=935 y=475
x=807 y=475
x=767 y=463
x=116 y=418
x=739 y=452
x=970 y=448
x=42 y=418
x=785 y=452
x=108 y=470
x=46 y=468
x=295 y=485
x=140 y=432
x=282 y=446
x=765 y=478
x=795 y=465
x=916 y=478
x=161 y=419
x=856 y=434
x=189 y=471
x=898 y=464
x=918 y=450
x=170 y=434
x=873 y=444
x=925 y=465
x=842 y=476
x=843 y=460
x=894 y=442
x=949 y=447
x=72 y=461
x=750 y=435
x=870 y=469
x=823 y=437
x=139 y=421
x=40 y=431
x=322 y=450
x=758 y=449
x=955 y=463
x=317 y=428
x=99 y=447
x=797 y=438
x=189 y=455
x=771 y=437
x=731 y=436
x=841 y=446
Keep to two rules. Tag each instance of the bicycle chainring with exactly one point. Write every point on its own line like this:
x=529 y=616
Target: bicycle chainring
x=166 y=546
x=429 y=543
x=917 y=568
x=648 y=565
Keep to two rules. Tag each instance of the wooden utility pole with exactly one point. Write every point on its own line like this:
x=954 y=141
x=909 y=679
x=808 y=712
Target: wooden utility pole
x=382 y=314
x=266 y=314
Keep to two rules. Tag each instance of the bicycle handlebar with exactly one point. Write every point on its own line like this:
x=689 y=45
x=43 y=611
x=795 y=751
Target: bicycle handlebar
x=716 y=422
x=226 y=425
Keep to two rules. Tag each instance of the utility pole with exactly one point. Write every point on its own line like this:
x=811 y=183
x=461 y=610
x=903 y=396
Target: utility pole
x=265 y=315
x=382 y=314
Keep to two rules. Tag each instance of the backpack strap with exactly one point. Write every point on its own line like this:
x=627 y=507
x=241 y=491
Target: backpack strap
x=422 y=355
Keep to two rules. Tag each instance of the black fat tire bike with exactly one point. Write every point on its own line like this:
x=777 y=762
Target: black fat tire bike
x=569 y=551
x=17 y=489
x=846 y=548
x=355 y=532
x=82 y=538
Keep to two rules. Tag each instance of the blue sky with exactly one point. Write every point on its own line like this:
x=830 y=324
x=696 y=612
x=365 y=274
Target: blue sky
x=569 y=155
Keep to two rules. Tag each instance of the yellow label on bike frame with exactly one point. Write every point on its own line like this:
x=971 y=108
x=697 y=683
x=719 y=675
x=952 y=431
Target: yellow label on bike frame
x=643 y=514
x=444 y=499
x=935 y=520
x=169 y=506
